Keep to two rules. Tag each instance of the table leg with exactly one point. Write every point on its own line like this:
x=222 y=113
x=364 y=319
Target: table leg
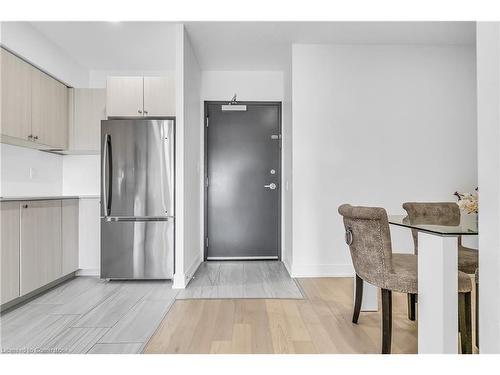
x=437 y=294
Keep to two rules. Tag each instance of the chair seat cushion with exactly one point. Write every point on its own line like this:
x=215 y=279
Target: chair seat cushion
x=468 y=259
x=404 y=275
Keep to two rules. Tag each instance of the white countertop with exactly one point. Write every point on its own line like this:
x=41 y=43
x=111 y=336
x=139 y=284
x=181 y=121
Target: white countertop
x=44 y=198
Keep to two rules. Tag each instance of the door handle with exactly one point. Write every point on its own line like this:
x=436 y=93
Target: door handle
x=107 y=162
x=271 y=186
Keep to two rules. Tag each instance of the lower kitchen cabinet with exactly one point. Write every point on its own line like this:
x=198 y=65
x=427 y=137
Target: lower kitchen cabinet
x=69 y=235
x=41 y=244
x=9 y=251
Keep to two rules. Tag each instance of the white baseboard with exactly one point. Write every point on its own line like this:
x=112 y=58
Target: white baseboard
x=181 y=280
x=192 y=269
x=288 y=266
x=87 y=272
x=322 y=270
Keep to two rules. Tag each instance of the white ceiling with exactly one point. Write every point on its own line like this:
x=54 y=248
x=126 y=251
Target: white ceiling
x=266 y=45
x=232 y=45
x=115 y=45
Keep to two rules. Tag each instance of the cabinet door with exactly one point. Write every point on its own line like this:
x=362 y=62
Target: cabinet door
x=58 y=133
x=16 y=96
x=124 y=96
x=49 y=110
x=41 y=245
x=9 y=251
x=89 y=107
x=69 y=235
x=159 y=96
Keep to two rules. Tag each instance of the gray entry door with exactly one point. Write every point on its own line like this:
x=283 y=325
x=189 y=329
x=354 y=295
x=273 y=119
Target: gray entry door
x=244 y=174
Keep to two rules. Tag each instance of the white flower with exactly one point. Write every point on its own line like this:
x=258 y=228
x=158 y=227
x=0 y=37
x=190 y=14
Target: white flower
x=468 y=202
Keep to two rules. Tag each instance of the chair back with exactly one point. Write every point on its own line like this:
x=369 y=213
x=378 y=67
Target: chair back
x=368 y=236
x=432 y=213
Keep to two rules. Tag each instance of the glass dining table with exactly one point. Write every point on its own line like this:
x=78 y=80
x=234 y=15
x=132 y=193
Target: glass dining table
x=438 y=280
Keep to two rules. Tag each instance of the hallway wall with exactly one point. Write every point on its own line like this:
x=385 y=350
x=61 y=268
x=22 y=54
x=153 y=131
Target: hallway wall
x=376 y=125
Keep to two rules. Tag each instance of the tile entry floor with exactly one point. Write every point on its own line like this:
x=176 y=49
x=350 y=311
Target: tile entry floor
x=241 y=279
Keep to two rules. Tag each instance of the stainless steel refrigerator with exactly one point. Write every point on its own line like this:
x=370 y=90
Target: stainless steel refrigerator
x=137 y=199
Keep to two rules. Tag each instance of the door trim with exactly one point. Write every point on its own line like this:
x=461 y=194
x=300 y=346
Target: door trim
x=206 y=103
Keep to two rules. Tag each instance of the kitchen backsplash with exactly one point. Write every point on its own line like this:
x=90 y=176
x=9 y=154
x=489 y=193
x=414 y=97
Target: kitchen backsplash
x=28 y=172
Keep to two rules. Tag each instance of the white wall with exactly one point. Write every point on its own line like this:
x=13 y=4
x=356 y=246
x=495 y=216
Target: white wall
x=488 y=103
x=89 y=237
x=81 y=175
x=193 y=243
x=188 y=231
x=249 y=85
x=27 y=172
x=27 y=42
x=375 y=125
x=286 y=191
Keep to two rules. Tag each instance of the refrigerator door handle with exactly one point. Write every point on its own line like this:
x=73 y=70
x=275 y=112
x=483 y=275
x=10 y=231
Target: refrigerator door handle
x=107 y=162
x=138 y=218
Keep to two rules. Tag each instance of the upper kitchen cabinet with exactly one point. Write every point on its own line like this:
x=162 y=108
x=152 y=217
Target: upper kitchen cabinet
x=49 y=111
x=140 y=97
x=34 y=106
x=87 y=109
x=16 y=96
x=125 y=97
x=159 y=96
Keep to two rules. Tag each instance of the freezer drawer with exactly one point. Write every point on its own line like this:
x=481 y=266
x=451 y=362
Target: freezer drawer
x=133 y=249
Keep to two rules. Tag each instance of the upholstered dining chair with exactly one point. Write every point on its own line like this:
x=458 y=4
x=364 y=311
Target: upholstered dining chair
x=476 y=279
x=368 y=236
x=439 y=213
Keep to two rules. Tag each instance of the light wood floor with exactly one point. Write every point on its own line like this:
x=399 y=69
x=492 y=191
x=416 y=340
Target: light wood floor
x=320 y=323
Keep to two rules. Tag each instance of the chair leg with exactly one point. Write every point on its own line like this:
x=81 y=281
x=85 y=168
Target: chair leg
x=465 y=322
x=386 y=321
x=477 y=315
x=412 y=302
x=358 y=299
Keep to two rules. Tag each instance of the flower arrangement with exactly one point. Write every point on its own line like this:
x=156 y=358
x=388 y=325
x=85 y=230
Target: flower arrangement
x=468 y=202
